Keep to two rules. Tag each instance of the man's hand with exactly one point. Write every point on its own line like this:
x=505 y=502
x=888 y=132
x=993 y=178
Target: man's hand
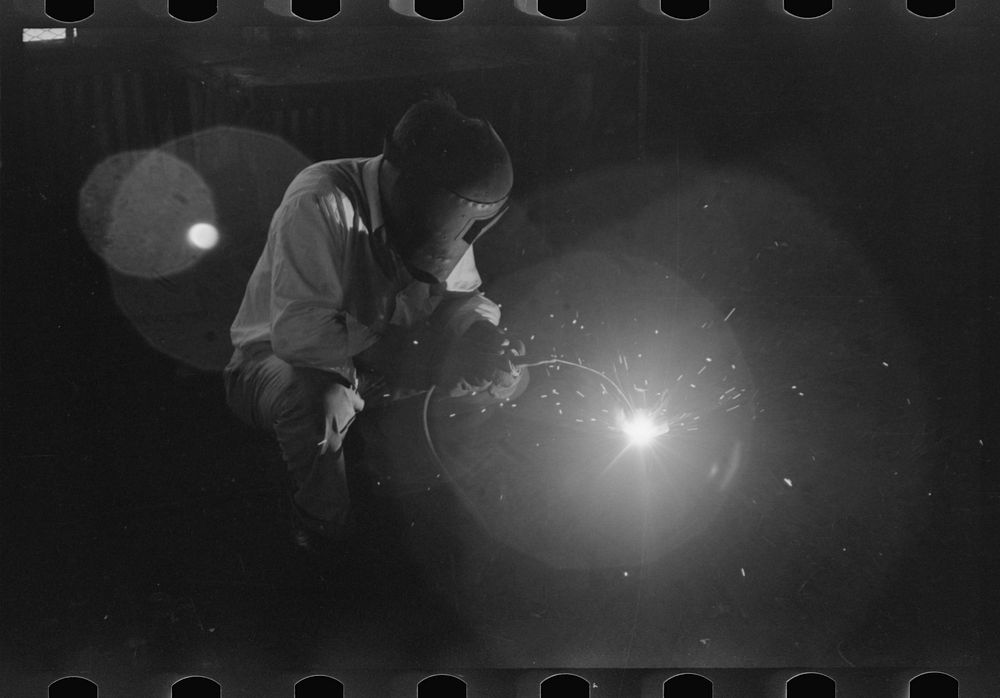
x=481 y=351
x=341 y=404
x=508 y=373
x=481 y=358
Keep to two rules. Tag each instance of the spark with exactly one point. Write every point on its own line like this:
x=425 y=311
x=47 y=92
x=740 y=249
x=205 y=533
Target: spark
x=788 y=482
x=726 y=319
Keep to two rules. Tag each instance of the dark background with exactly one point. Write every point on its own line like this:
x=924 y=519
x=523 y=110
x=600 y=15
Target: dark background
x=141 y=525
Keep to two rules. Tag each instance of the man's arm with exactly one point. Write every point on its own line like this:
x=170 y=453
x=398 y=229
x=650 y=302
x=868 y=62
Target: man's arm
x=457 y=312
x=309 y=325
x=475 y=360
x=463 y=304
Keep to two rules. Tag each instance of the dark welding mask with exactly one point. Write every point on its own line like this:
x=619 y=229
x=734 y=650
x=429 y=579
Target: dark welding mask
x=437 y=226
x=452 y=180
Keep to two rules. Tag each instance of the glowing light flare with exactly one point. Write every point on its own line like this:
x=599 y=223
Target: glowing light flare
x=204 y=236
x=641 y=428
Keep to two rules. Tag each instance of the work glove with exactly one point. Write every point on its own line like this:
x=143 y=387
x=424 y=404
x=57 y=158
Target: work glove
x=508 y=373
x=341 y=405
x=479 y=359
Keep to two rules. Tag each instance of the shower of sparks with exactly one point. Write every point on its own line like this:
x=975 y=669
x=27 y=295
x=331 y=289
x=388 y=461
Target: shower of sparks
x=642 y=415
x=638 y=406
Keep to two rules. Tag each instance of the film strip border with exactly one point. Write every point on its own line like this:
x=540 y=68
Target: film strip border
x=361 y=12
x=593 y=683
x=588 y=683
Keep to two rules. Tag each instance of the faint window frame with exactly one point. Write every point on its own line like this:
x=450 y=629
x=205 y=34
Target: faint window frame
x=68 y=37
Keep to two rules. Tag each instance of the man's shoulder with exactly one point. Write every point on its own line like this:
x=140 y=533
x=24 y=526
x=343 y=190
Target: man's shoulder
x=341 y=177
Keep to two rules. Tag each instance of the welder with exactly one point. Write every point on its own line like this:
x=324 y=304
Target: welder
x=368 y=287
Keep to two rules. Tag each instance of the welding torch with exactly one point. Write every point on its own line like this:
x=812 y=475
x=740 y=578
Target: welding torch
x=524 y=360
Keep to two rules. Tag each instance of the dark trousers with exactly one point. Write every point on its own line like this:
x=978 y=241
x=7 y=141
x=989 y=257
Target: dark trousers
x=269 y=394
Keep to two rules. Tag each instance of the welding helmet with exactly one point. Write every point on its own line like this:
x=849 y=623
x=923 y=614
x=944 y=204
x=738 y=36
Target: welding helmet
x=449 y=182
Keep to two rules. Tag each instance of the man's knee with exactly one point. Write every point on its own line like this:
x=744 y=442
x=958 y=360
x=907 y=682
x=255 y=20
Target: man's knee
x=239 y=396
x=305 y=393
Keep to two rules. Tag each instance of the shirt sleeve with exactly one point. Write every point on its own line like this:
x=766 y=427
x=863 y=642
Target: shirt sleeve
x=456 y=313
x=309 y=323
x=463 y=304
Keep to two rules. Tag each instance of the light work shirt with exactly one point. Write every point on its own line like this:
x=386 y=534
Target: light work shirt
x=328 y=282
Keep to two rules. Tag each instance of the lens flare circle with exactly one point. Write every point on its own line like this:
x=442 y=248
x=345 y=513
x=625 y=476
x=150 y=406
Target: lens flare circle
x=136 y=207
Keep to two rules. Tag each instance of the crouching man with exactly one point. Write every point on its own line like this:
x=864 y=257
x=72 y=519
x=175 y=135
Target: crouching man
x=368 y=286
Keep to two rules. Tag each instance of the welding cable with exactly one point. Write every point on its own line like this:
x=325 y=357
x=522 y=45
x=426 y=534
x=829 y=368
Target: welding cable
x=604 y=377
x=427 y=429
x=529 y=364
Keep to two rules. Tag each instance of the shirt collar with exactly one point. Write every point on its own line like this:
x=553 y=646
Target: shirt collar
x=385 y=254
x=369 y=180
